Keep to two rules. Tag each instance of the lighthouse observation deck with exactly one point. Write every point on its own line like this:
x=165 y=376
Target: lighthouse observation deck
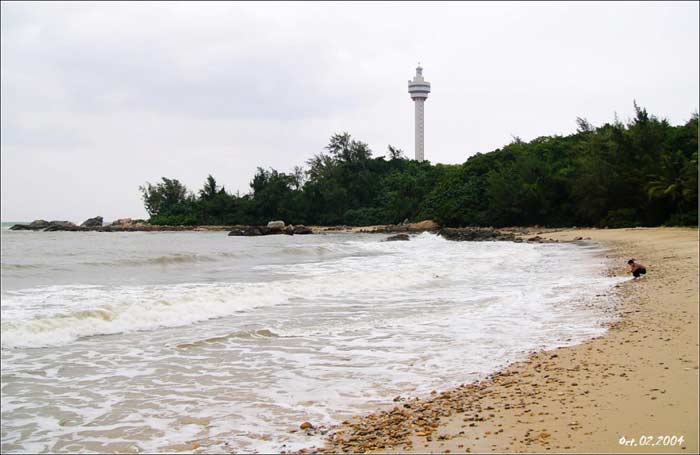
x=418 y=87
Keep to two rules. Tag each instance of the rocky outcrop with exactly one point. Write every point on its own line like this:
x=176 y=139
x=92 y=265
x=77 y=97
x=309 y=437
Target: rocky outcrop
x=422 y=226
x=21 y=227
x=276 y=226
x=300 y=229
x=47 y=226
x=93 y=222
x=136 y=227
x=61 y=226
x=397 y=237
x=33 y=226
x=474 y=234
x=128 y=225
x=249 y=231
x=538 y=239
x=39 y=224
x=252 y=231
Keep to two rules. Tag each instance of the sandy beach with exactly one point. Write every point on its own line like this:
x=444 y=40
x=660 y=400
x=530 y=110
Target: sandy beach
x=635 y=389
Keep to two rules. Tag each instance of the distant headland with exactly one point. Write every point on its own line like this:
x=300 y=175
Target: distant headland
x=639 y=173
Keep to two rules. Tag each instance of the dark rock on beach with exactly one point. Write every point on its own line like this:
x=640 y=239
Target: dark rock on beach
x=538 y=239
x=474 y=234
x=397 y=237
x=276 y=227
x=93 y=222
x=270 y=229
x=300 y=229
x=405 y=226
x=249 y=231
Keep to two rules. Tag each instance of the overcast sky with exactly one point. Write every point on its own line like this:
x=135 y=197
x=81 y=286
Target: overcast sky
x=99 y=98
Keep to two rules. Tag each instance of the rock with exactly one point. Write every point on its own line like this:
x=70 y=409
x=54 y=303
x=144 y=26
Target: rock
x=397 y=237
x=61 y=226
x=391 y=228
x=21 y=227
x=33 y=226
x=123 y=222
x=426 y=225
x=248 y=231
x=92 y=222
x=276 y=225
x=577 y=239
x=404 y=222
x=39 y=224
x=306 y=426
x=301 y=229
x=476 y=234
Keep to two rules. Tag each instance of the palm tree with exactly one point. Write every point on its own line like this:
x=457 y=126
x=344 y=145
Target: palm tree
x=669 y=182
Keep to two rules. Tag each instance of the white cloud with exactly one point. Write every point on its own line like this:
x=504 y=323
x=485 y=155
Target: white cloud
x=98 y=98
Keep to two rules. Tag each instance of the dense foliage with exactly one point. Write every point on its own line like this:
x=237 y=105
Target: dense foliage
x=642 y=173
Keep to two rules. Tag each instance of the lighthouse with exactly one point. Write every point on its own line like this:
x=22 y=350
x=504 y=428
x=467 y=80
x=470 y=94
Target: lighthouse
x=419 y=88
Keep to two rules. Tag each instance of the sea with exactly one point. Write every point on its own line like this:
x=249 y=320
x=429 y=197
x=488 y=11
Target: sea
x=203 y=343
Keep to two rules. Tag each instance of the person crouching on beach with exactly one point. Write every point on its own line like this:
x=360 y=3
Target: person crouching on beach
x=636 y=269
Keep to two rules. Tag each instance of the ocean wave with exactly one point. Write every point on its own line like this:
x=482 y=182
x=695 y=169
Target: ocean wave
x=426 y=270
x=105 y=311
x=7 y=266
x=70 y=313
x=161 y=260
x=241 y=334
x=306 y=250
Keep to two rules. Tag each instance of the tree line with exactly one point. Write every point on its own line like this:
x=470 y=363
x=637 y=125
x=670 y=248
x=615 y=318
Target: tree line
x=640 y=173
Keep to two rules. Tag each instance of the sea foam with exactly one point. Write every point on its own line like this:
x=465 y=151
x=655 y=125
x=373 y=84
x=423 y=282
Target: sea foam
x=234 y=350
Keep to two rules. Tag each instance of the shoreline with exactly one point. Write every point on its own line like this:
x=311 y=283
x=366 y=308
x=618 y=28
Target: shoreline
x=638 y=381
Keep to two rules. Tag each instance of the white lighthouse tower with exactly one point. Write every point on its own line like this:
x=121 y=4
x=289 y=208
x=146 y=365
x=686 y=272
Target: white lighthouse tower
x=419 y=89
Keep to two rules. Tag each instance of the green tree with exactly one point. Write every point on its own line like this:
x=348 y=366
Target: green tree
x=163 y=196
x=210 y=189
x=642 y=172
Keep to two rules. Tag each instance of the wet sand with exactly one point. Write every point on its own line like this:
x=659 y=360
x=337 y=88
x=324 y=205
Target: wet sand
x=638 y=381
